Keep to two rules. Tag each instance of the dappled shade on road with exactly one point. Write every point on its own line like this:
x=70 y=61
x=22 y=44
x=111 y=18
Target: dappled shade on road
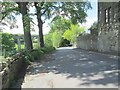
x=84 y=68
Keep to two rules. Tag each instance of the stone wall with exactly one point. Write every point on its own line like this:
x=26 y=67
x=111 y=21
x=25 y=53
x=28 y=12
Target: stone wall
x=12 y=71
x=88 y=42
x=108 y=40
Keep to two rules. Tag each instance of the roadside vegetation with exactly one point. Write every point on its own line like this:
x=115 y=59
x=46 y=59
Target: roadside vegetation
x=64 y=27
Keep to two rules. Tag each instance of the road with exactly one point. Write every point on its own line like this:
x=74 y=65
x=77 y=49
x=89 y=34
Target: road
x=73 y=68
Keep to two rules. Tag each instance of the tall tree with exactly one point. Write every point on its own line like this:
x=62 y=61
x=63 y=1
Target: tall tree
x=26 y=24
x=6 y=10
x=7 y=18
x=40 y=23
x=76 y=11
x=60 y=23
x=72 y=33
x=43 y=10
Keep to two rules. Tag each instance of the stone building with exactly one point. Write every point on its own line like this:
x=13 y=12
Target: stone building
x=108 y=26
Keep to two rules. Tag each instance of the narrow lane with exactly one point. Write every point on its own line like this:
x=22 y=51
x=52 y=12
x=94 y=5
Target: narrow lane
x=73 y=68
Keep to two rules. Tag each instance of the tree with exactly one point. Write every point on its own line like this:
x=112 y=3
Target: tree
x=72 y=33
x=48 y=40
x=26 y=24
x=8 y=45
x=94 y=28
x=6 y=8
x=60 y=24
x=43 y=10
x=7 y=18
x=12 y=7
x=56 y=39
x=76 y=11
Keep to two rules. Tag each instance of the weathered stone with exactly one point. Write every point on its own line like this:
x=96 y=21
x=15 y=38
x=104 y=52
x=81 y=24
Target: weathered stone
x=88 y=42
x=11 y=72
x=108 y=33
x=107 y=39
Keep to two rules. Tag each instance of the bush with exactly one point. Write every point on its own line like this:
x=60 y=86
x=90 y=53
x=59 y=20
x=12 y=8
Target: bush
x=48 y=40
x=72 y=33
x=27 y=55
x=57 y=36
x=35 y=40
x=8 y=44
x=65 y=43
x=48 y=49
x=36 y=45
x=35 y=54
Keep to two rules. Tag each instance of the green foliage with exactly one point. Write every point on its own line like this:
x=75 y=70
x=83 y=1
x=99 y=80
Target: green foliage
x=26 y=21
x=57 y=36
x=72 y=33
x=64 y=43
x=60 y=23
x=35 y=41
x=76 y=11
x=7 y=8
x=22 y=47
x=48 y=49
x=8 y=44
x=27 y=56
x=94 y=28
x=48 y=40
x=36 y=54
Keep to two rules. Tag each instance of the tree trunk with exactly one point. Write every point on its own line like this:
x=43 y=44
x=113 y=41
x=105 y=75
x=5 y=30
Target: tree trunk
x=26 y=26
x=40 y=26
x=18 y=42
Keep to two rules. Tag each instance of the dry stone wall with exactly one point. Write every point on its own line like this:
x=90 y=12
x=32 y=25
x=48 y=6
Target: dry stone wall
x=108 y=38
x=12 y=71
x=88 y=42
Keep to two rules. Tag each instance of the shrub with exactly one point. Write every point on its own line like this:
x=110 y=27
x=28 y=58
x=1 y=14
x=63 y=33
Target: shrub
x=36 y=54
x=57 y=36
x=64 y=43
x=27 y=55
x=8 y=44
x=48 y=49
x=48 y=40
x=72 y=33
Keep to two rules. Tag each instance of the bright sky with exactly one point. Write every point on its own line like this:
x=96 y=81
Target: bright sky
x=92 y=17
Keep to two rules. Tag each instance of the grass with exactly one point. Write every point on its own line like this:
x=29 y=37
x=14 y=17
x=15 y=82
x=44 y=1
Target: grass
x=35 y=45
x=22 y=46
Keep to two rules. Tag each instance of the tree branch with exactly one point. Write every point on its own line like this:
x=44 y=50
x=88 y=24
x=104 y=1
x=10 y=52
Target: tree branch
x=44 y=11
x=3 y=17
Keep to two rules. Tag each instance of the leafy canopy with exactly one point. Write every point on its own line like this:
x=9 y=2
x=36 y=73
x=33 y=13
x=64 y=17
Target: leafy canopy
x=72 y=33
x=75 y=11
x=60 y=24
x=57 y=36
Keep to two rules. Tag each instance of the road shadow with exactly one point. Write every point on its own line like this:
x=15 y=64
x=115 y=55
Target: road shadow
x=90 y=67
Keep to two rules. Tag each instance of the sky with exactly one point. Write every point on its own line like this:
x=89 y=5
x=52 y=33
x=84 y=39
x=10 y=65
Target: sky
x=91 y=18
x=92 y=14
